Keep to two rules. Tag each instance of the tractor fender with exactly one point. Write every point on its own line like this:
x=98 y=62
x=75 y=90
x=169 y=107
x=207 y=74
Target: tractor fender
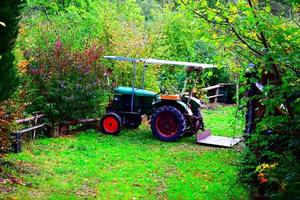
x=177 y=104
x=195 y=103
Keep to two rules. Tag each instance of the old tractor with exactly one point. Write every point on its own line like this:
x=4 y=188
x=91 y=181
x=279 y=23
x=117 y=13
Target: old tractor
x=171 y=116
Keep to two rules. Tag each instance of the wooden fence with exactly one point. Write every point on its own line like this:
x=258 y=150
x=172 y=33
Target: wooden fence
x=35 y=124
x=216 y=88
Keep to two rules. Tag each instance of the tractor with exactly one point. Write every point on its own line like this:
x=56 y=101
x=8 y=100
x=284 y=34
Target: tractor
x=171 y=115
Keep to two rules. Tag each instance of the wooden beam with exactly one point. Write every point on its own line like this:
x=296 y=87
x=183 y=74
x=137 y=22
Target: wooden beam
x=217 y=86
x=88 y=120
x=212 y=87
x=214 y=96
x=31 y=128
x=224 y=84
x=29 y=118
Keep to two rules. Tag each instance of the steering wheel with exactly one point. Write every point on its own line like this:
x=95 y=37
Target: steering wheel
x=163 y=90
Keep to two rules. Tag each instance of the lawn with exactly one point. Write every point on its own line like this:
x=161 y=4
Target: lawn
x=133 y=165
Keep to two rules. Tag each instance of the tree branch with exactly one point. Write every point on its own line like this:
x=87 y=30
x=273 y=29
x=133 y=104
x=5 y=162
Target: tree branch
x=244 y=42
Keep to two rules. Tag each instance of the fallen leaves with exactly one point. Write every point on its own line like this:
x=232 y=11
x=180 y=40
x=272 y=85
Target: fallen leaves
x=11 y=180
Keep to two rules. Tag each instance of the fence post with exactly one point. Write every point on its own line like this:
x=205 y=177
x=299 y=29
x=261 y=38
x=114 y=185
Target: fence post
x=17 y=142
x=35 y=123
x=217 y=92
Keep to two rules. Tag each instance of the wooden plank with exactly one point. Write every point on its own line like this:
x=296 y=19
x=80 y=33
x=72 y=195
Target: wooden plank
x=34 y=131
x=32 y=128
x=29 y=118
x=211 y=87
x=220 y=141
x=73 y=122
x=217 y=95
x=88 y=120
x=217 y=86
x=214 y=96
x=225 y=84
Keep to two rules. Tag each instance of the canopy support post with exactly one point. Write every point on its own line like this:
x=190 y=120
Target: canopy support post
x=143 y=76
x=133 y=84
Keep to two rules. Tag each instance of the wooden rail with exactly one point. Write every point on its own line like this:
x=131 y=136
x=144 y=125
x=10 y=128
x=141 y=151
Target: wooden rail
x=18 y=121
x=217 y=90
x=214 y=96
x=57 y=131
x=18 y=134
x=63 y=128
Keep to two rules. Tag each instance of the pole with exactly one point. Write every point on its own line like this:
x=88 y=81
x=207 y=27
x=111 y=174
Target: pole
x=184 y=86
x=133 y=84
x=194 y=85
x=237 y=90
x=143 y=76
x=17 y=142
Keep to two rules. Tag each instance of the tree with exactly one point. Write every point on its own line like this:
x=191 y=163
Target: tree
x=9 y=17
x=261 y=33
x=267 y=34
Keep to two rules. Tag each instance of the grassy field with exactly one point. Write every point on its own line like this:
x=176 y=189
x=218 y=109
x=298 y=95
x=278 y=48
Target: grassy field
x=133 y=165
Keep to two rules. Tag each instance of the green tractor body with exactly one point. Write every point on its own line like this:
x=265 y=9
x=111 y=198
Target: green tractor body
x=143 y=100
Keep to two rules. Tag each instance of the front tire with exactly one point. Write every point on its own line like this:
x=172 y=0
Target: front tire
x=168 y=123
x=111 y=123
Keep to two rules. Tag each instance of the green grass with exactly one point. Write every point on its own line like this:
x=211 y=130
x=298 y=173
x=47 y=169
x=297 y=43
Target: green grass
x=133 y=165
x=224 y=121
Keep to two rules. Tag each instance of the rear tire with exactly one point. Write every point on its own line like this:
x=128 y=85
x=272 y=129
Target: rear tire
x=111 y=123
x=168 y=123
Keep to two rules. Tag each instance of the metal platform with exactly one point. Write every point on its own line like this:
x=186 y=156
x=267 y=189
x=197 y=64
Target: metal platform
x=206 y=138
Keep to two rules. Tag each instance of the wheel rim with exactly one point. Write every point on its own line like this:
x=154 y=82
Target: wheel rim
x=110 y=124
x=166 y=124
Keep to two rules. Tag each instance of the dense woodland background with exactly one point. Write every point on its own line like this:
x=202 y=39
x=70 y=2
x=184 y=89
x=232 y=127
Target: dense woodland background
x=56 y=65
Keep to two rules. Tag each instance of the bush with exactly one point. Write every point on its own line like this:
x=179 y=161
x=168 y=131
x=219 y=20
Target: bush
x=10 y=110
x=66 y=84
x=271 y=164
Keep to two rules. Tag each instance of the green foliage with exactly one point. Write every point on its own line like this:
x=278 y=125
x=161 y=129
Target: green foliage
x=224 y=121
x=66 y=84
x=265 y=34
x=127 y=28
x=273 y=168
x=9 y=18
x=176 y=36
x=230 y=34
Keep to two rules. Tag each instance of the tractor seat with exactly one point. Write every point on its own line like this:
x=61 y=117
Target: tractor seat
x=170 y=97
x=137 y=92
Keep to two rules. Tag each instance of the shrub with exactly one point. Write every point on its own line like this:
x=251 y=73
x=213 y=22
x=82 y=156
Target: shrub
x=66 y=84
x=10 y=110
x=271 y=163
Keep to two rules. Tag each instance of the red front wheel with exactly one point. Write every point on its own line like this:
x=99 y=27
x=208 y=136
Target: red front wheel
x=111 y=124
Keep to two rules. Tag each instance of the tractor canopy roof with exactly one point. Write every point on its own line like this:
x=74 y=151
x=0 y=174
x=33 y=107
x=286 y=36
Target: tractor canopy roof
x=160 y=62
x=137 y=92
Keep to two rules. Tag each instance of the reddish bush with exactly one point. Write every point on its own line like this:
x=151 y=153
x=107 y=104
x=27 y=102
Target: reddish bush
x=66 y=84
